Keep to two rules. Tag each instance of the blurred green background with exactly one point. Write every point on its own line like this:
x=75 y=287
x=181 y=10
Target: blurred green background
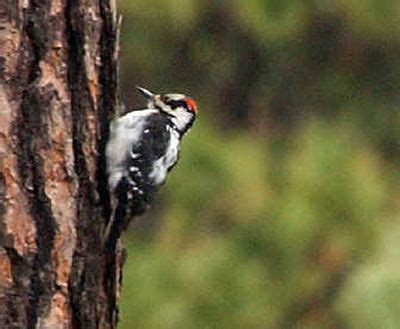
x=284 y=209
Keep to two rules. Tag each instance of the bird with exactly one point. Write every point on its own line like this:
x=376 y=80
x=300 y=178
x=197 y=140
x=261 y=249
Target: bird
x=142 y=148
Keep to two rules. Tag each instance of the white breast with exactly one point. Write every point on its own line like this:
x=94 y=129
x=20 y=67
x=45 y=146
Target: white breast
x=161 y=166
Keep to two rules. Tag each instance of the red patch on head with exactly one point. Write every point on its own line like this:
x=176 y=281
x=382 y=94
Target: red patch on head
x=191 y=103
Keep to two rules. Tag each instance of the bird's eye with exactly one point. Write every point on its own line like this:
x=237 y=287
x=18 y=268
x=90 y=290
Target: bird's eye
x=173 y=103
x=164 y=99
x=170 y=102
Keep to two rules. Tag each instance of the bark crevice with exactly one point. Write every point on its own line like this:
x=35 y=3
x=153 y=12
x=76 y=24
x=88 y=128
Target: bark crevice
x=83 y=301
x=32 y=135
x=109 y=100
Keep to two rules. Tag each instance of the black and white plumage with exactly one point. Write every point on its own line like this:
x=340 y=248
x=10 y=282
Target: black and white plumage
x=142 y=149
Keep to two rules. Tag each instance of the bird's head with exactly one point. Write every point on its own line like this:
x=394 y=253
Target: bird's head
x=181 y=108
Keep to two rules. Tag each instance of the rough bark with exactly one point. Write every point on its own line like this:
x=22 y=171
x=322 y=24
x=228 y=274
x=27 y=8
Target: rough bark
x=57 y=93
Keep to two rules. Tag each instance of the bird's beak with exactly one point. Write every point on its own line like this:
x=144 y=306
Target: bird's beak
x=149 y=95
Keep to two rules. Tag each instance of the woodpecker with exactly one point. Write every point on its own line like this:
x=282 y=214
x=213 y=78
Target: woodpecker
x=143 y=147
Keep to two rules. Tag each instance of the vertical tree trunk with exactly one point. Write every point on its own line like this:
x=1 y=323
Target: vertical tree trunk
x=57 y=93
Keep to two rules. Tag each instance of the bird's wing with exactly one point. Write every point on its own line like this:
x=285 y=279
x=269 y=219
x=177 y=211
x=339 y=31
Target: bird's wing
x=150 y=147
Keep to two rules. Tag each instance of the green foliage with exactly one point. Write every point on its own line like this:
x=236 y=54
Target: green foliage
x=371 y=297
x=281 y=211
x=244 y=247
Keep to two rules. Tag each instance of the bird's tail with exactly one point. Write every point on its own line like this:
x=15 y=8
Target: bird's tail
x=119 y=214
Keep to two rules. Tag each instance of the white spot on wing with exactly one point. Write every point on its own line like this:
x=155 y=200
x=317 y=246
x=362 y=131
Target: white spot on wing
x=134 y=155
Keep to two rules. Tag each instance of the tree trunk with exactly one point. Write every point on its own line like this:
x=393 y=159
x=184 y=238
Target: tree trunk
x=57 y=93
